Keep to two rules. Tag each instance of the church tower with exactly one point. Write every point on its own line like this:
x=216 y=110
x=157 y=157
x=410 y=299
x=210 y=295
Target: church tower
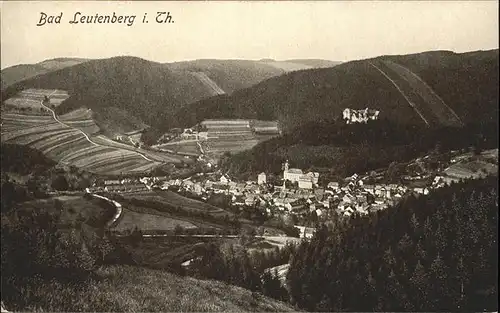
x=285 y=171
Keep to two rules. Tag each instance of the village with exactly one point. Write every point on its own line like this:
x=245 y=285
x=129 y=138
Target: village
x=298 y=194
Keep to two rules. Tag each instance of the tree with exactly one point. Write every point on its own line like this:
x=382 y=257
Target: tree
x=439 y=288
x=60 y=183
x=178 y=230
x=419 y=282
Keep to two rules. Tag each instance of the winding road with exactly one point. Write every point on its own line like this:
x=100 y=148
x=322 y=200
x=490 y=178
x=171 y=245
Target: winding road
x=117 y=205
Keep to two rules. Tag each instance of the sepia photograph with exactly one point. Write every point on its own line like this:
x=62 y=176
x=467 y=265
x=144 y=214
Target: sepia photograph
x=249 y=156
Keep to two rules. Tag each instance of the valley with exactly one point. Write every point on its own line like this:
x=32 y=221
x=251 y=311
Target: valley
x=188 y=172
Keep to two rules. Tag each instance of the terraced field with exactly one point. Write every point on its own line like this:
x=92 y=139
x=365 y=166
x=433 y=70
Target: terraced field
x=73 y=138
x=30 y=98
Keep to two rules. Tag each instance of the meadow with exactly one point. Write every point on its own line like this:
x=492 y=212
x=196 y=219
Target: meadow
x=148 y=222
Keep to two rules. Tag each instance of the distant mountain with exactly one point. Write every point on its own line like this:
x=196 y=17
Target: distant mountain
x=315 y=63
x=145 y=90
x=300 y=64
x=434 y=88
x=14 y=74
x=229 y=75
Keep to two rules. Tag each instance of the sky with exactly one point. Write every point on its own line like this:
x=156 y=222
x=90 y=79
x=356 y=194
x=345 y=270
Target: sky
x=332 y=30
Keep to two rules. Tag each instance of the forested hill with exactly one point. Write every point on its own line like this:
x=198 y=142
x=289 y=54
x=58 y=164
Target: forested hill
x=145 y=90
x=229 y=75
x=17 y=73
x=346 y=149
x=467 y=83
x=148 y=92
x=433 y=253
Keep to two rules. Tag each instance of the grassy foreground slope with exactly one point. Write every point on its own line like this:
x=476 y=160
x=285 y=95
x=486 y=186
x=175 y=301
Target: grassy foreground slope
x=135 y=289
x=467 y=83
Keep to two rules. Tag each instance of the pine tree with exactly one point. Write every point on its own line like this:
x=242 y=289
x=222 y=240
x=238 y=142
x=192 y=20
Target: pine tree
x=419 y=283
x=439 y=286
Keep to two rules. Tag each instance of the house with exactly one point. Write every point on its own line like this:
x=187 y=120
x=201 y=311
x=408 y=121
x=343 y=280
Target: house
x=305 y=183
x=197 y=188
x=219 y=188
x=313 y=176
x=392 y=186
x=325 y=203
x=292 y=174
x=240 y=187
x=348 y=211
x=115 y=188
x=112 y=182
x=379 y=200
x=136 y=187
x=250 y=200
x=348 y=198
x=319 y=193
x=296 y=205
x=369 y=188
x=333 y=185
x=224 y=179
x=420 y=190
x=353 y=177
x=261 y=178
x=377 y=207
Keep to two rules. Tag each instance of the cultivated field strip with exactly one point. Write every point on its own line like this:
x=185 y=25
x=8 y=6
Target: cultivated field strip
x=23 y=103
x=87 y=126
x=105 y=157
x=148 y=155
x=217 y=146
x=117 y=158
x=13 y=129
x=33 y=139
x=30 y=131
x=86 y=152
x=65 y=139
x=144 y=168
x=141 y=166
x=60 y=153
x=26 y=123
x=48 y=145
x=116 y=166
x=30 y=118
x=55 y=151
x=78 y=114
